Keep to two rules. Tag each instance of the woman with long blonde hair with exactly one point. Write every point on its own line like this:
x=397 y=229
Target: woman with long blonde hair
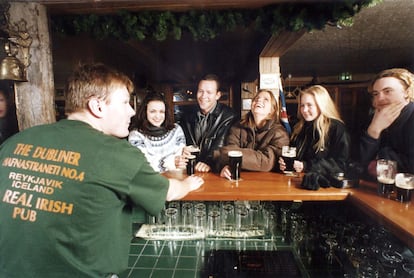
x=320 y=136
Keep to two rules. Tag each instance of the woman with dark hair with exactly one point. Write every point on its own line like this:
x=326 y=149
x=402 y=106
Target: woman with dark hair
x=259 y=136
x=157 y=136
x=8 y=121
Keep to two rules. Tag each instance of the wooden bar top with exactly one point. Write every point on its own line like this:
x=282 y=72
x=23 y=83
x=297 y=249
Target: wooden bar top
x=265 y=186
x=268 y=186
x=397 y=217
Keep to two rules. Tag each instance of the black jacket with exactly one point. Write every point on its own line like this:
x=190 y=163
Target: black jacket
x=396 y=142
x=219 y=122
x=333 y=158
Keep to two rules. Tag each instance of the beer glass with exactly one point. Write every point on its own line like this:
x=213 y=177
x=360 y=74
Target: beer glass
x=200 y=222
x=242 y=221
x=191 y=165
x=195 y=150
x=171 y=220
x=289 y=155
x=227 y=217
x=386 y=170
x=187 y=216
x=213 y=223
x=404 y=185
x=235 y=162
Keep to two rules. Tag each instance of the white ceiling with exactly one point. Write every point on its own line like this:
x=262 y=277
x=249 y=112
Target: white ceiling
x=381 y=37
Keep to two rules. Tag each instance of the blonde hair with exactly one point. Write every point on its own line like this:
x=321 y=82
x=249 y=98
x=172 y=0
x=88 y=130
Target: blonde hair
x=323 y=122
x=404 y=76
x=92 y=80
x=248 y=119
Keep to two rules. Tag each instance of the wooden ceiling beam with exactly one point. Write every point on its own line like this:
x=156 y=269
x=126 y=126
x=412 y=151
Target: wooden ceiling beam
x=279 y=44
x=111 y=6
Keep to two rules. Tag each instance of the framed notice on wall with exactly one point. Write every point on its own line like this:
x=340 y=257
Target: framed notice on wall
x=246 y=104
x=269 y=81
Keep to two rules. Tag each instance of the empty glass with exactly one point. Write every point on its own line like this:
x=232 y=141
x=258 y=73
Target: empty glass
x=255 y=216
x=171 y=219
x=200 y=220
x=213 y=223
x=269 y=222
x=187 y=216
x=227 y=218
x=242 y=220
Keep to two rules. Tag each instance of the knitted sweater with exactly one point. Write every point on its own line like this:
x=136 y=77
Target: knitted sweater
x=160 y=151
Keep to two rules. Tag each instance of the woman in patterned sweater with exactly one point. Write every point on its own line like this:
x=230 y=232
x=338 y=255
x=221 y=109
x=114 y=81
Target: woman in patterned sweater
x=157 y=136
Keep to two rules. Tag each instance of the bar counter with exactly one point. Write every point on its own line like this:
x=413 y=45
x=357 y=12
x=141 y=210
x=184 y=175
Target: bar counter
x=267 y=186
x=397 y=217
x=262 y=186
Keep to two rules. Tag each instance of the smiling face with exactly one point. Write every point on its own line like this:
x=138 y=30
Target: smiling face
x=262 y=105
x=117 y=113
x=207 y=95
x=308 y=107
x=388 y=90
x=156 y=112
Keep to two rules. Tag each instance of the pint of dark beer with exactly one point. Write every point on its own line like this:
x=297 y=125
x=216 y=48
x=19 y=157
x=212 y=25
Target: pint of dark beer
x=191 y=165
x=404 y=185
x=386 y=170
x=235 y=163
x=385 y=186
x=195 y=150
x=289 y=156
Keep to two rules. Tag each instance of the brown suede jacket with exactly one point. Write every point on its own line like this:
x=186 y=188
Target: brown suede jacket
x=261 y=147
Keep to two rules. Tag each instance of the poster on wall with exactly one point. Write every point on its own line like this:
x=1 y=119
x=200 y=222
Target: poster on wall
x=269 y=81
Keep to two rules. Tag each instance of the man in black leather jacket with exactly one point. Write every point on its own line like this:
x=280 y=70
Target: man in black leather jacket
x=207 y=127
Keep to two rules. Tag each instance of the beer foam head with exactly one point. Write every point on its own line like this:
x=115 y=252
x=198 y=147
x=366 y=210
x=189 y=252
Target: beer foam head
x=405 y=181
x=235 y=153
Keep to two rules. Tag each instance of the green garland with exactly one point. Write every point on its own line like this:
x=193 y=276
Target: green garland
x=208 y=24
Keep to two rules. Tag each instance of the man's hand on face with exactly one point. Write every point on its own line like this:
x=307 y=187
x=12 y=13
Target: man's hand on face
x=384 y=116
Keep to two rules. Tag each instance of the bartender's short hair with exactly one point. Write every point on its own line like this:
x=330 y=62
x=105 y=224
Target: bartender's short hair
x=92 y=80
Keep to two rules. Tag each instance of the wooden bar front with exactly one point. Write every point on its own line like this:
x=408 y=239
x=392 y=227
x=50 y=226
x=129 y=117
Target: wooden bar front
x=266 y=186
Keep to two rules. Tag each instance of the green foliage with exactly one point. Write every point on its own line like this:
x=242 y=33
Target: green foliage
x=208 y=24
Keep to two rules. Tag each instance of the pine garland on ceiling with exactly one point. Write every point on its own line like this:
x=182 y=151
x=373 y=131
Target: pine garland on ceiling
x=208 y=24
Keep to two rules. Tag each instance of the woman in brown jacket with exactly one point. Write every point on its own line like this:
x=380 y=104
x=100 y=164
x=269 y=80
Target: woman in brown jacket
x=259 y=136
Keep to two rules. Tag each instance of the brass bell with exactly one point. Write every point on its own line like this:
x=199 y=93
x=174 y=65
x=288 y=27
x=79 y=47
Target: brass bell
x=12 y=68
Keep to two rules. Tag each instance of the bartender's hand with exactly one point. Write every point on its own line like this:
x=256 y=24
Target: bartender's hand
x=384 y=116
x=194 y=182
x=179 y=188
x=282 y=164
x=225 y=172
x=202 y=167
x=298 y=166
